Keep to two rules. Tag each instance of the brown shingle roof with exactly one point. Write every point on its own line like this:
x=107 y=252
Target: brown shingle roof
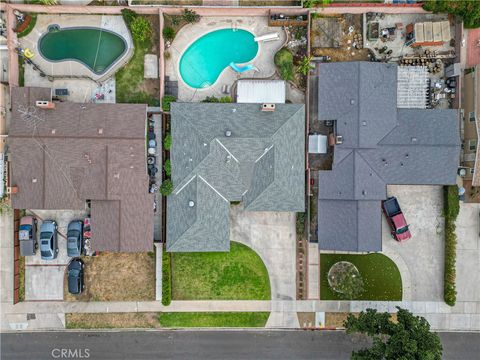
x=75 y=152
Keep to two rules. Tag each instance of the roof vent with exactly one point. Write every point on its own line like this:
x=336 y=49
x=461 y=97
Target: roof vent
x=364 y=192
x=45 y=104
x=191 y=203
x=204 y=144
x=406 y=155
x=34 y=180
x=268 y=107
x=54 y=131
x=100 y=131
x=364 y=123
x=234 y=110
x=228 y=133
x=352 y=101
x=116 y=176
x=414 y=139
x=339 y=139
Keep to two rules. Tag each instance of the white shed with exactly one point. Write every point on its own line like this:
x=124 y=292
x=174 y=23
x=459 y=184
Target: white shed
x=261 y=91
x=317 y=144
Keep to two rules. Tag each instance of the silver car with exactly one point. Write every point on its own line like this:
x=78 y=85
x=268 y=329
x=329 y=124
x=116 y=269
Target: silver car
x=48 y=240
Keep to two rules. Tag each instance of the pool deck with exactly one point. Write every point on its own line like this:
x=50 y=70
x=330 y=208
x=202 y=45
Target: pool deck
x=189 y=33
x=75 y=68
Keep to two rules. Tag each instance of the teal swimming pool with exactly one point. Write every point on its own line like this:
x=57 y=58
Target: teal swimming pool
x=96 y=48
x=204 y=60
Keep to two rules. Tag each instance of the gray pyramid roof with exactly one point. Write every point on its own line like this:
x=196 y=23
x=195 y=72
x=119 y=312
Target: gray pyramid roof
x=381 y=145
x=261 y=163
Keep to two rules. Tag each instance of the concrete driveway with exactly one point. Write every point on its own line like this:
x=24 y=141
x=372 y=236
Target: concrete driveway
x=272 y=236
x=44 y=278
x=420 y=259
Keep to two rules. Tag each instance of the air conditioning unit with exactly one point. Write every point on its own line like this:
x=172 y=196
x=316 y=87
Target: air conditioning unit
x=268 y=107
x=44 y=104
x=339 y=139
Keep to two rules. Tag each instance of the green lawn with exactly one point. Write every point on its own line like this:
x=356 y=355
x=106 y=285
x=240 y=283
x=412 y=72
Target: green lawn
x=227 y=319
x=380 y=275
x=236 y=275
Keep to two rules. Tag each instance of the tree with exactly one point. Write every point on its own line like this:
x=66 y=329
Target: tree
x=305 y=65
x=166 y=188
x=128 y=16
x=408 y=338
x=284 y=62
x=190 y=16
x=168 y=33
x=468 y=10
x=141 y=28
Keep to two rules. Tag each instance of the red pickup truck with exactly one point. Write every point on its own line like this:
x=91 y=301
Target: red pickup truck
x=396 y=220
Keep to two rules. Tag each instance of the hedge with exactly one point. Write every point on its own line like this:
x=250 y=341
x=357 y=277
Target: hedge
x=451 y=209
x=167 y=99
x=166 y=279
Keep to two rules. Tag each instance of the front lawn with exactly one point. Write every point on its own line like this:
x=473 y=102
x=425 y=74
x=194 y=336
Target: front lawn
x=111 y=320
x=218 y=319
x=117 y=277
x=381 y=277
x=236 y=275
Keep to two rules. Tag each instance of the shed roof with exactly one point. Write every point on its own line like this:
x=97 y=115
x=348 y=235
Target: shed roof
x=76 y=152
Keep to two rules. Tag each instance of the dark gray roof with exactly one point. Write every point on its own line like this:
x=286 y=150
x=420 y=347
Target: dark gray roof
x=381 y=145
x=261 y=163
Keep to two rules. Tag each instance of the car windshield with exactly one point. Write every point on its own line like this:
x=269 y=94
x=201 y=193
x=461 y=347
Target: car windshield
x=46 y=253
x=46 y=235
x=402 y=230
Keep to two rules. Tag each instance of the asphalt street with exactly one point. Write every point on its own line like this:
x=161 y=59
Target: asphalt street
x=209 y=345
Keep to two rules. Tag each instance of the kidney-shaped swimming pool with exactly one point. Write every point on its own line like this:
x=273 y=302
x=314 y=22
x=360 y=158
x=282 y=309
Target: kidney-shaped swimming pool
x=204 y=60
x=96 y=48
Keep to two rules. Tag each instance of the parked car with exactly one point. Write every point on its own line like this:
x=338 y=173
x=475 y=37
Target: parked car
x=27 y=236
x=396 y=220
x=75 y=276
x=75 y=238
x=48 y=240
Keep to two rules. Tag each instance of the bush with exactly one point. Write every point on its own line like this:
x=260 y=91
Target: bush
x=213 y=99
x=190 y=16
x=451 y=202
x=167 y=142
x=167 y=99
x=451 y=208
x=32 y=22
x=141 y=29
x=167 y=167
x=300 y=224
x=128 y=16
x=168 y=33
x=166 y=279
x=284 y=62
x=166 y=188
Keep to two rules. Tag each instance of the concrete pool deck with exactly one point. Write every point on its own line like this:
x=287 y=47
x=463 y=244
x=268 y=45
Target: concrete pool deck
x=75 y=68
x=189 y=33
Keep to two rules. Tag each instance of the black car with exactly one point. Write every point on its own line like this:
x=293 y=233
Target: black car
x=75 y=277
x=75 y=238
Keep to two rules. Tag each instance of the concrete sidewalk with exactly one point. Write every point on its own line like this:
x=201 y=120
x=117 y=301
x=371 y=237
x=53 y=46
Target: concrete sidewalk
x=463 y=316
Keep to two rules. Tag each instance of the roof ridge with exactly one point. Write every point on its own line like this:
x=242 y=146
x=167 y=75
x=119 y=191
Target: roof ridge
x=288 y=120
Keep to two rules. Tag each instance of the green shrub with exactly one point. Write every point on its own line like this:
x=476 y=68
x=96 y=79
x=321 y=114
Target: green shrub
x=451 y=202
x=168 y=33
x=166 y=279
x=167 y=167
x=29 y=28
x=141 y=29
x=451 y=208
x=190 y=16
x=128 y=16
x=300 y=223
x=167 y=142
x=167 y=99
x=166 y=188
x=284 y=62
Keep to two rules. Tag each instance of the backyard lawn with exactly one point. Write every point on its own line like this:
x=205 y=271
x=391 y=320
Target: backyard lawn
x=117 y=277
x=236 y=275
x=382 y=280
x=223 y=319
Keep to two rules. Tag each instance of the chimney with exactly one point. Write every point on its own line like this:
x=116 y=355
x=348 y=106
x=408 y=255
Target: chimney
x=268 y=107
x=42 y=104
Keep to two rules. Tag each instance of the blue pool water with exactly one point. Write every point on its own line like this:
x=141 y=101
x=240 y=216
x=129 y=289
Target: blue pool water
x=205 y=59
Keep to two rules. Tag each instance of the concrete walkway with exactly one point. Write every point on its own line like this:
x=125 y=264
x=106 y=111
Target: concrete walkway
x=463 y=316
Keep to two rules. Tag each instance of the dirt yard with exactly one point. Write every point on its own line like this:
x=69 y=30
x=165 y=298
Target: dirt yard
x=112 y=321
x=117 y=277
x=345 y=52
